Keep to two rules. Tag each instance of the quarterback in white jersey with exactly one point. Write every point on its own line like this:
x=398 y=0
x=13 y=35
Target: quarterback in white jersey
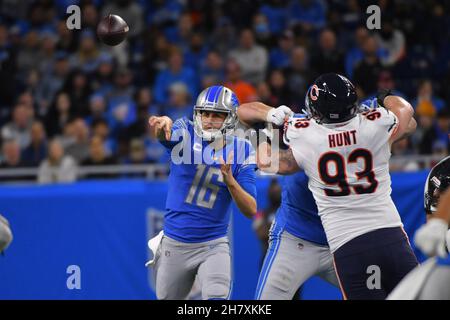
x=345 y=154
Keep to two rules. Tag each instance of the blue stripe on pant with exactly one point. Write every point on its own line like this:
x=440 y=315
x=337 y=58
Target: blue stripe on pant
x=268 y=262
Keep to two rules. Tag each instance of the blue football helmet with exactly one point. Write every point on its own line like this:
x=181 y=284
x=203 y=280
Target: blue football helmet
x=216 y=99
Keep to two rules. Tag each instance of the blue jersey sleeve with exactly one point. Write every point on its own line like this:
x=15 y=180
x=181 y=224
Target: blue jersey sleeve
x=246 y=177
x=179 y=127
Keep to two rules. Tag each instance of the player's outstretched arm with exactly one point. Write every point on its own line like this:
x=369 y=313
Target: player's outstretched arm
x=162 y=127
x=244 y=201
x=256 y=112
x=404 y=112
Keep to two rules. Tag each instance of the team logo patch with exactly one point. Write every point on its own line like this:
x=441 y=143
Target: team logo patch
x=314 y=92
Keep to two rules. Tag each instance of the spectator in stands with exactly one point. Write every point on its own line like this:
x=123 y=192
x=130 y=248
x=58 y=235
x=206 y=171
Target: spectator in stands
x=164 y=13
x=181 y=35
x=57 y=167
x=425 y=94
x=79 y=90
x=100 y=128
x=102 y=81
x=123 y=84
x=309 y=14
x=196 y=52
x=276 y=13
x=261 y=30
x=212 y=67
x=37 y=150
x=175 y=72
x=28 y=53
x=243 y=90
x=59 y=114
x=88 y=54
x=392 y=40
x=226 y=32
x=31 y=84
x=48 y=43
x=437 y=135
x=385 y=81
x=156 y=51
x=79 y=148
x=145 y=109
x=53 y=80
x=98 y=157
x=11 y=155
x=121 y=110
x=252 y=58
x=97 y=154
x=67 y=41
x=180 y=104
x=264 y=94
x=280 y=56
x=425 y=114
x=327 y=56
x=367 y=70
x=137 y=152
x=8 y=66
x=356 y=54
x=298 y=76
x=279 y=88
x=97 y=107
x=19 y=128
x=89 y=16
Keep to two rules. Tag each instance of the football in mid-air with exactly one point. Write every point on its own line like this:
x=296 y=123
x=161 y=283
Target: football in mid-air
x=112 y=30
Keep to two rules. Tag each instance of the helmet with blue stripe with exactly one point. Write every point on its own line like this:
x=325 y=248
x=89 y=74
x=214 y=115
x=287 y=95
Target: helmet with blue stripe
x=216 y=99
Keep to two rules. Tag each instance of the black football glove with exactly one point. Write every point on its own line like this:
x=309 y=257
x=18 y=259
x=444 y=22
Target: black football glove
x=381 y=95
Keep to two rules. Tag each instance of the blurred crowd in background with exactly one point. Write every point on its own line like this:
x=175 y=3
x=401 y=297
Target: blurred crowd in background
x=67 y=100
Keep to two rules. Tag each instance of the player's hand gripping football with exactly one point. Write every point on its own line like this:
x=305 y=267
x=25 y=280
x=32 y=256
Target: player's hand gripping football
x=162 y=126
x=225 y=168
x=277 y=116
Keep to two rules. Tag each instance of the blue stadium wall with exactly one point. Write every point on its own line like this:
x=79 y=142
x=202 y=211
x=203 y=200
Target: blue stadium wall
x=103 y=228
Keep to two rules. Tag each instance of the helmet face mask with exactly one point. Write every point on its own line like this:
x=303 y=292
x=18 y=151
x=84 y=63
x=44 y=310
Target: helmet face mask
x=331 y=99
x=216 y=99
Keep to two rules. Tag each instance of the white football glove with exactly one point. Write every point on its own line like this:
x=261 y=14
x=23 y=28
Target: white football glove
x=278 y=115
x=430 y=238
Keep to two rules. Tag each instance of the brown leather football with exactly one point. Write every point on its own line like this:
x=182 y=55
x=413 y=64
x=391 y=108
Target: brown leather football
x=112 y=30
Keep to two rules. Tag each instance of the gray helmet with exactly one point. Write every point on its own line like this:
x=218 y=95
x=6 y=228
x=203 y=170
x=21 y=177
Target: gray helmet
x=216 y=99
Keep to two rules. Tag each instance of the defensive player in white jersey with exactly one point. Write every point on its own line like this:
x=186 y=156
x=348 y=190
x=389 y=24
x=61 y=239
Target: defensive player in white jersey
x=345 y=155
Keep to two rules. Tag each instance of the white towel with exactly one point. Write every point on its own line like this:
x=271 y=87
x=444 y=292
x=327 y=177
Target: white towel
x=153 y=245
